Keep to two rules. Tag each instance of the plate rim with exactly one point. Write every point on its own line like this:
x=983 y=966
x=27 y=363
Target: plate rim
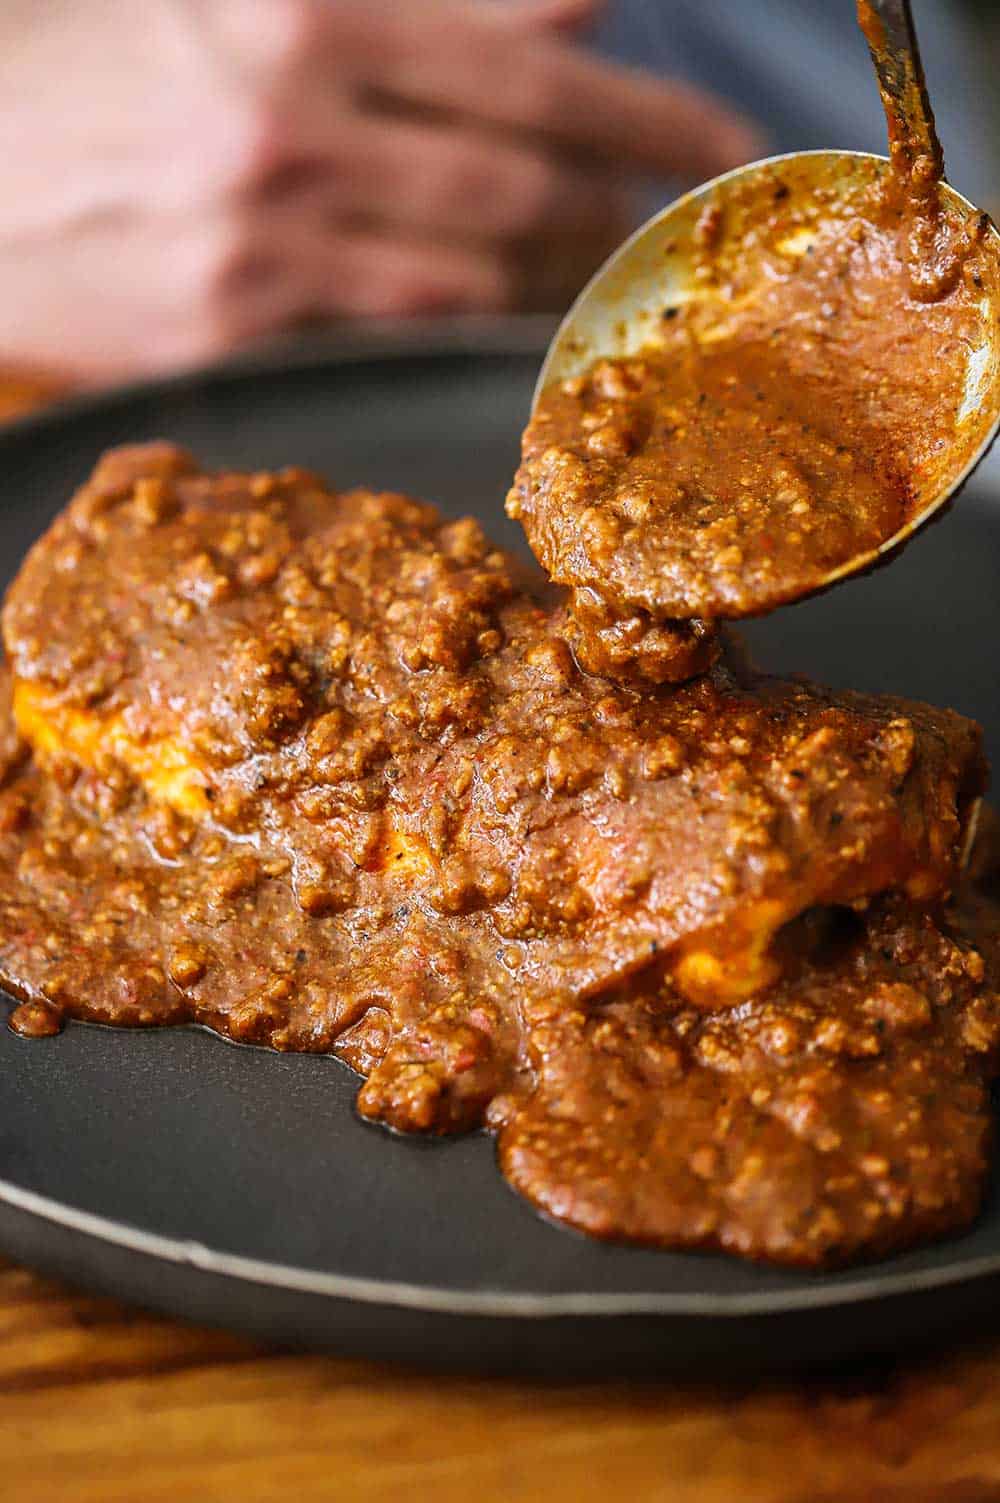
x=494 y=1304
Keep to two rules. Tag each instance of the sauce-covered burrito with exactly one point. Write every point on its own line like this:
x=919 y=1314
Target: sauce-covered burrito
x=318 y=771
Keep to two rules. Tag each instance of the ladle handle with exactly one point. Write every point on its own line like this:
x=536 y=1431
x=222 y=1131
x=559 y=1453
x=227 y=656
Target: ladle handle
x=892 y=41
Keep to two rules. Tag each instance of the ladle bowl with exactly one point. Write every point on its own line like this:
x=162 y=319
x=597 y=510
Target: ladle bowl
x=772 y=212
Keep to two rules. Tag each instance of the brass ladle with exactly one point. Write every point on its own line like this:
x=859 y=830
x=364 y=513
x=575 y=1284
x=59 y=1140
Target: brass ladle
x=620 y=310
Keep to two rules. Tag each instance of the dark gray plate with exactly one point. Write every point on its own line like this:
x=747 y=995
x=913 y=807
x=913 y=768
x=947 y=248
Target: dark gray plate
x=236 y=1186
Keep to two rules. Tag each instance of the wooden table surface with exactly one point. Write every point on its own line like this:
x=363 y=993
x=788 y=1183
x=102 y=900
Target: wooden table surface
x=100 y=1403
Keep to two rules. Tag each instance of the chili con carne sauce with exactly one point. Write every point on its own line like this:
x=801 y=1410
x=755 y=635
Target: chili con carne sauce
x=315 y=770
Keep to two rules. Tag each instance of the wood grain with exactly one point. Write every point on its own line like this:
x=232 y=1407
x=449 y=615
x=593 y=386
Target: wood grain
x=101 y=1404
x=104 y=1404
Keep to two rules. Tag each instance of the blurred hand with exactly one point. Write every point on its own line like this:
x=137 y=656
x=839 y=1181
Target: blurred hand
x=183 y=175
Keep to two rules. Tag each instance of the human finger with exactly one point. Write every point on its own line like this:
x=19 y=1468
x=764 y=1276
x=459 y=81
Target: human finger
x=447 y=181
x=542 y=85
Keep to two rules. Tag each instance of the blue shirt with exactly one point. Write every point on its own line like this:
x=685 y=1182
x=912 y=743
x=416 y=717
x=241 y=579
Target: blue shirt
x=801 y=68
